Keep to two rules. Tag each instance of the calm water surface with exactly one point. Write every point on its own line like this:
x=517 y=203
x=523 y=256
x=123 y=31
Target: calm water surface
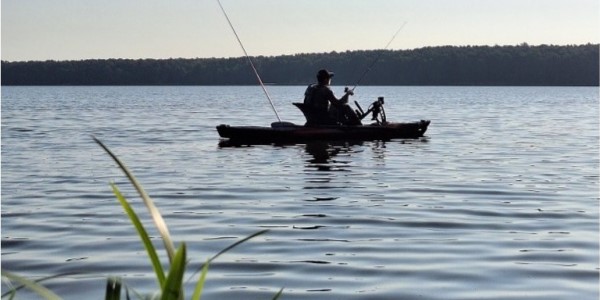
x=499 y=201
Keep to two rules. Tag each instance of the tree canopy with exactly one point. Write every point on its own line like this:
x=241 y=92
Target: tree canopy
x=446 y=65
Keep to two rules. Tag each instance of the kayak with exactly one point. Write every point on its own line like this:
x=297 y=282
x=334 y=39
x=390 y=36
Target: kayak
x=286 y=132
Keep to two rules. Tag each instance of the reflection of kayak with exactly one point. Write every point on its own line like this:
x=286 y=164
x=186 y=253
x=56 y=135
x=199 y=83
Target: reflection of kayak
x=286 y=132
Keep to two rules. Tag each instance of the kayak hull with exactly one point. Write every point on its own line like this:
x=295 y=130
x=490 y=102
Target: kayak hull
x=282 y=132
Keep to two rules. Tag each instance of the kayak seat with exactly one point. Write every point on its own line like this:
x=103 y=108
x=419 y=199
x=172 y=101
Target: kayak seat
x=345 y=116
x=304 y=109
x=312 y=118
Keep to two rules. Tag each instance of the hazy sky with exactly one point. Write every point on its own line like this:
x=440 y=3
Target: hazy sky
x=82 y=29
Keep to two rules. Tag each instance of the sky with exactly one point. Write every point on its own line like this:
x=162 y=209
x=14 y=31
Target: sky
x=92 y=29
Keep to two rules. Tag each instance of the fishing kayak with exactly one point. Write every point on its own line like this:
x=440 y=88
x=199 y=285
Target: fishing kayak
x=342 y=124
x=286 y=132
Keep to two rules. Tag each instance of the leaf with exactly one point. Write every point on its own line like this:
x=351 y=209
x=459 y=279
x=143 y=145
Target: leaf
x=38 y=281
x=173 y=287
x=34 y=286
x=156 y=216
x=278 y=294
x=113 y=288
x=229 y=248
x=239 y=242
x=200 y=284
x=160 y=274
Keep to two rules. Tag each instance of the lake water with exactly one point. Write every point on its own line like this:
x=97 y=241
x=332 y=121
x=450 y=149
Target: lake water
x=498 y=201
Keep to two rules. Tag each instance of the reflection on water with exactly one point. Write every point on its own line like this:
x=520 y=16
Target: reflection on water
x=322 y=155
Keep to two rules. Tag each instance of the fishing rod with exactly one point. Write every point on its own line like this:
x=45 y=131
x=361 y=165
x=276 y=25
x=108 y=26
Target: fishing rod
x=378 y=57
x=250 y=61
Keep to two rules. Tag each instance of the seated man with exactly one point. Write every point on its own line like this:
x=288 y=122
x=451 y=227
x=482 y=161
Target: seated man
x=322 y=105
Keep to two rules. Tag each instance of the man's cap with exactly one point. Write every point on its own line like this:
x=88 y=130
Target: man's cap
x=323 y=73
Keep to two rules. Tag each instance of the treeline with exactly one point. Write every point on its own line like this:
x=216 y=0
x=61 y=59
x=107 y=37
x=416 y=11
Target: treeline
x=448 y=65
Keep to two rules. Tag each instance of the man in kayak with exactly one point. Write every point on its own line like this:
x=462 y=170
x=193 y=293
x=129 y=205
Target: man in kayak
x=323 y=107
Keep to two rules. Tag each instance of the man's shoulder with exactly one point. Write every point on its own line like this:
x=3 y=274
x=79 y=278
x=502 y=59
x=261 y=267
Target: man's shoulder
x=326 y=91
x=324 y=88
x=318 y=87
x=310 y=89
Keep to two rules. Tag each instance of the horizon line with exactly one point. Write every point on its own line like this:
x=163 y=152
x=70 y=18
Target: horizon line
x=299 y=53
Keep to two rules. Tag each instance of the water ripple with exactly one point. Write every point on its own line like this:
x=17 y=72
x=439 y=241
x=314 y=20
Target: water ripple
x=495 y=203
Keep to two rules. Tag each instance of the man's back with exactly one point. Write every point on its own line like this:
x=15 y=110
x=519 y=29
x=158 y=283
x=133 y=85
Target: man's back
x=317 y=97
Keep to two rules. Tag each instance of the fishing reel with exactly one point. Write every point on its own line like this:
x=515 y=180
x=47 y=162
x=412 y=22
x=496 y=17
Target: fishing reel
x=349 y=92
x=375 y=109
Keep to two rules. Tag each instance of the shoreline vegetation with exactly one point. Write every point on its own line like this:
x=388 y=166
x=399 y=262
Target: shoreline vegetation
x=519 y=65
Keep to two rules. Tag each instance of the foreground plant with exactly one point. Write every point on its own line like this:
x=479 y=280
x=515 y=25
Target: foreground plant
x=171 y=284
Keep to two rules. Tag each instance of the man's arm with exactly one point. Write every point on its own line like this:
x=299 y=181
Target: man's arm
x=335 y=101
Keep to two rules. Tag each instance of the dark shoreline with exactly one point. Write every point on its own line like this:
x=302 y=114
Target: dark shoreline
x=522 y=65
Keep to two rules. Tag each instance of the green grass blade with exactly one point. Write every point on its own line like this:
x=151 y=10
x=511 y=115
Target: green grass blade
x=278 y=294
x=238 y=242
x=113 y=288
x=34 y=286
x=160 y=274
x=173 y=287
x=156 y=216
x=229 y=248
x=200 y=284
x=13 y=294
x=38 y=281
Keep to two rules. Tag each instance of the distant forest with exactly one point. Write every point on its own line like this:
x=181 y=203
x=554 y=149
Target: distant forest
x=522 y=65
